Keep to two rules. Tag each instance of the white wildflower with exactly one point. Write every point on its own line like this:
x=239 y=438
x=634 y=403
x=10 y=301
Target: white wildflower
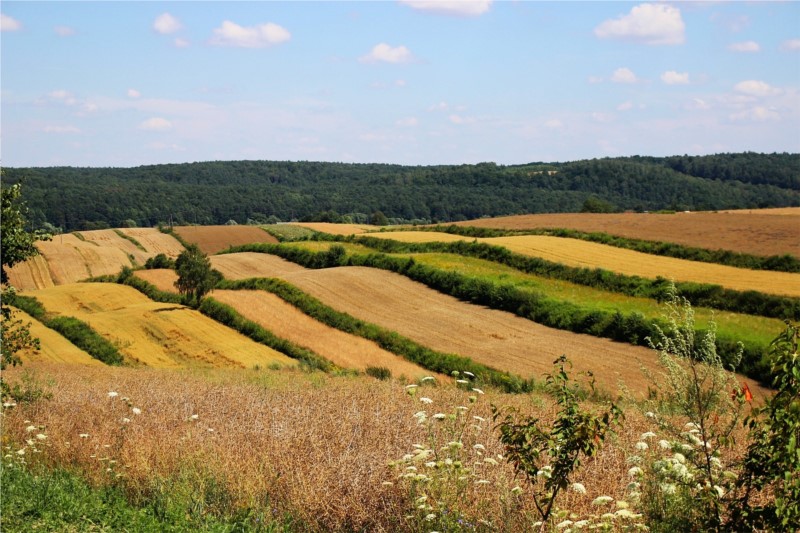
x=136 y=411
x=641 y=446
x=479 y=391
x=462 y=381
x=482 y=482
x=113 y=394
x=579 y=488
x=126 y=420
x=564 y=524
x=647 y=435
x=428 y=378
x=426 y=400
x=635 y=471
x=41 y=436
x=468 y=373
x=430 y=517
x=479 y=447
x=479 y=418
x=31 y=428
x=194 y=417
x=516 y=490
x=440 y=416
x=602 y=500
x=664 y=444
x=83 y=435
x=650 y=414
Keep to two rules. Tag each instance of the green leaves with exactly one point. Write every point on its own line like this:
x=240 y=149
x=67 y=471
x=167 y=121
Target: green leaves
x=195 y=276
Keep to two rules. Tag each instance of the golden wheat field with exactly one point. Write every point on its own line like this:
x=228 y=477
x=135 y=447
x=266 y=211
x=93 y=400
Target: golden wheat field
x=156 y=334
x=155 y=241
x=337 y=229
x=213 y=239
x=757 y=231
x=313 y=446
x=162 y=278
x=243 y=265
x=578 y=253
x=287 y=322
x=53 y=347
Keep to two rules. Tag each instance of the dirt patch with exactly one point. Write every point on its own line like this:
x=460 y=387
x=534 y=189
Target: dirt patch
x=212 y=239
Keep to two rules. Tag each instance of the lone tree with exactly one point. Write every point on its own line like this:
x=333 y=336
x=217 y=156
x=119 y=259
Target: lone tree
x=195 y=275
x=16 y=245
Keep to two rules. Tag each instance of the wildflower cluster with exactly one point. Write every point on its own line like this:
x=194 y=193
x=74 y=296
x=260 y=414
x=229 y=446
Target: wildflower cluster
x=443 y=473
x=35 y=442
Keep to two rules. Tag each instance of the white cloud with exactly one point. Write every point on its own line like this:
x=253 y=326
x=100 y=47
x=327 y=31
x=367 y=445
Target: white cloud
x=9 y=24
x=60 y=129
x=595 y=79
x=259 y=36
x=698 y=104
x=156 y=124
x=602 y=117
x=180 y=43
x=408 y=122
x=791 y=44
x=384 y=53
x=554 y=124
x=755 y=114
x=133 y=93
x=64 y=31
x=745 y=46
x=625 y=106
x=459 y=120
x=624 y=75
x=646 y=23
x=441 y=106
x=460 y=8
x=166 y=24
x=671 y=77
x=756 y=88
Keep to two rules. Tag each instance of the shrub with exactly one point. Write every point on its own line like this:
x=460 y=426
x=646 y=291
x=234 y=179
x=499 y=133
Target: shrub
x=379 y=372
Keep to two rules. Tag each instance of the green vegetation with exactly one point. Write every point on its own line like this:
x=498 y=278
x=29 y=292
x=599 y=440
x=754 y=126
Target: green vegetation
x=216 y=192
x=131 y=239
x=289 y=232
x=195 y=275
x=76 y=331
x=159 y=261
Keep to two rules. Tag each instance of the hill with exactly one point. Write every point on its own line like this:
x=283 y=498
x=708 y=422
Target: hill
x=266 y=191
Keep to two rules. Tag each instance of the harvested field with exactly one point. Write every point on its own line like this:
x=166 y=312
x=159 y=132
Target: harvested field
x=758 y=232
x=792 y=211
x=338 y=229
x=578 y=253
x=343 y=349
x=212 y=239
x=154 y=241
x=156 y=334
x=494 y=338
x=108 y=238
x=252 y=265
x=31 y=274
x=53 y=347
x=163 y=278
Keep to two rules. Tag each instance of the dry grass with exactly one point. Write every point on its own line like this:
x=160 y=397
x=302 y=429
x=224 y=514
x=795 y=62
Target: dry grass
x=31 y=274
x=309 y=445
x=54 y=347
x=758 y=232
x=156 y=334
x=578 y=253
x=286 y=321
x=212 y=239
x=162 y=278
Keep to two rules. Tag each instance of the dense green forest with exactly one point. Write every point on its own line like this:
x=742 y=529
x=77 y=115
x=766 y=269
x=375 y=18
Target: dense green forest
x=218 y=192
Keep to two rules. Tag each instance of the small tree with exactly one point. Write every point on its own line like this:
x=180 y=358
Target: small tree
x=195 y=275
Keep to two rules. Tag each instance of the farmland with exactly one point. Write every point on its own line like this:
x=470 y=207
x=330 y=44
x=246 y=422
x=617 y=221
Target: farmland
x=200 y=388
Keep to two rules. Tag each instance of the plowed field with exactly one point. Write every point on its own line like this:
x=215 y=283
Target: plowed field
x=287 y=322
x=156 y=334
x=53 y=347
x=212 y=239
x=578 y=253
x=771 y=232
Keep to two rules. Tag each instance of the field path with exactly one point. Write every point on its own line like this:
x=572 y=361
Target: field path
x=288 y=322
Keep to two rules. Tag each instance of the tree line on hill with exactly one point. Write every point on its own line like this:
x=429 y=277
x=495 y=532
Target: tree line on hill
x=261 y=192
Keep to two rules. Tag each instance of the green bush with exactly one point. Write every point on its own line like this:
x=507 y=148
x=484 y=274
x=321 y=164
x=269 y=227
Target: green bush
x=84 y=337
x=379 y=372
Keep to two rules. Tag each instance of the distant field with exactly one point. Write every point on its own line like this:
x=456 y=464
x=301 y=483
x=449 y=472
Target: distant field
x=212 y=239
x=578 y=253
x=758 y=232
x=53 y=347
x=74 y=257
x=338 y=229
x=343 y=349
x=156 y=334
x=253 y=265
x=163 y=278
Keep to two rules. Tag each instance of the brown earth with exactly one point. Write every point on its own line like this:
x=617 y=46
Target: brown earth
x=288 y=322
x=754 y=232
x=212 y=239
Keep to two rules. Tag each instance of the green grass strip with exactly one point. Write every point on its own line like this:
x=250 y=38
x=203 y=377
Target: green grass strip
x=131 y=239
x=389 y=340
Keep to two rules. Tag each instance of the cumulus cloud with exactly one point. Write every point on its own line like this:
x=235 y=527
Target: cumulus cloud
x=755 y=114
x=653 y=24
x=459 y=8
x=180 y=43
x=408 y=122
x=624 y=75
x=156 y=124
x=745 y=46
x=459 y=120
x=166 y=24
x=258 y=36
x=9 y=24
x=383 y=53
x=133 y=93
x=756 y=88
x=64 y=31
x=791 y=44
x=671 y=77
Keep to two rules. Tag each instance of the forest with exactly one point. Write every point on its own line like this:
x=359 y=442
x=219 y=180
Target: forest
x=222 y=192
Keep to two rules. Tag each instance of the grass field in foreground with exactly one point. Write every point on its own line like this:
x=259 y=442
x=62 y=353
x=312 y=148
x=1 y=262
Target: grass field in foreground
x=54 y=347
x=156 y=334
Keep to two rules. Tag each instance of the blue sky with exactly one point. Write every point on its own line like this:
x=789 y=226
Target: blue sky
x=410 y=82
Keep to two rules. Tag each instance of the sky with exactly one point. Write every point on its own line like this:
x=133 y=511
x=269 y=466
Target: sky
x=123 y=84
